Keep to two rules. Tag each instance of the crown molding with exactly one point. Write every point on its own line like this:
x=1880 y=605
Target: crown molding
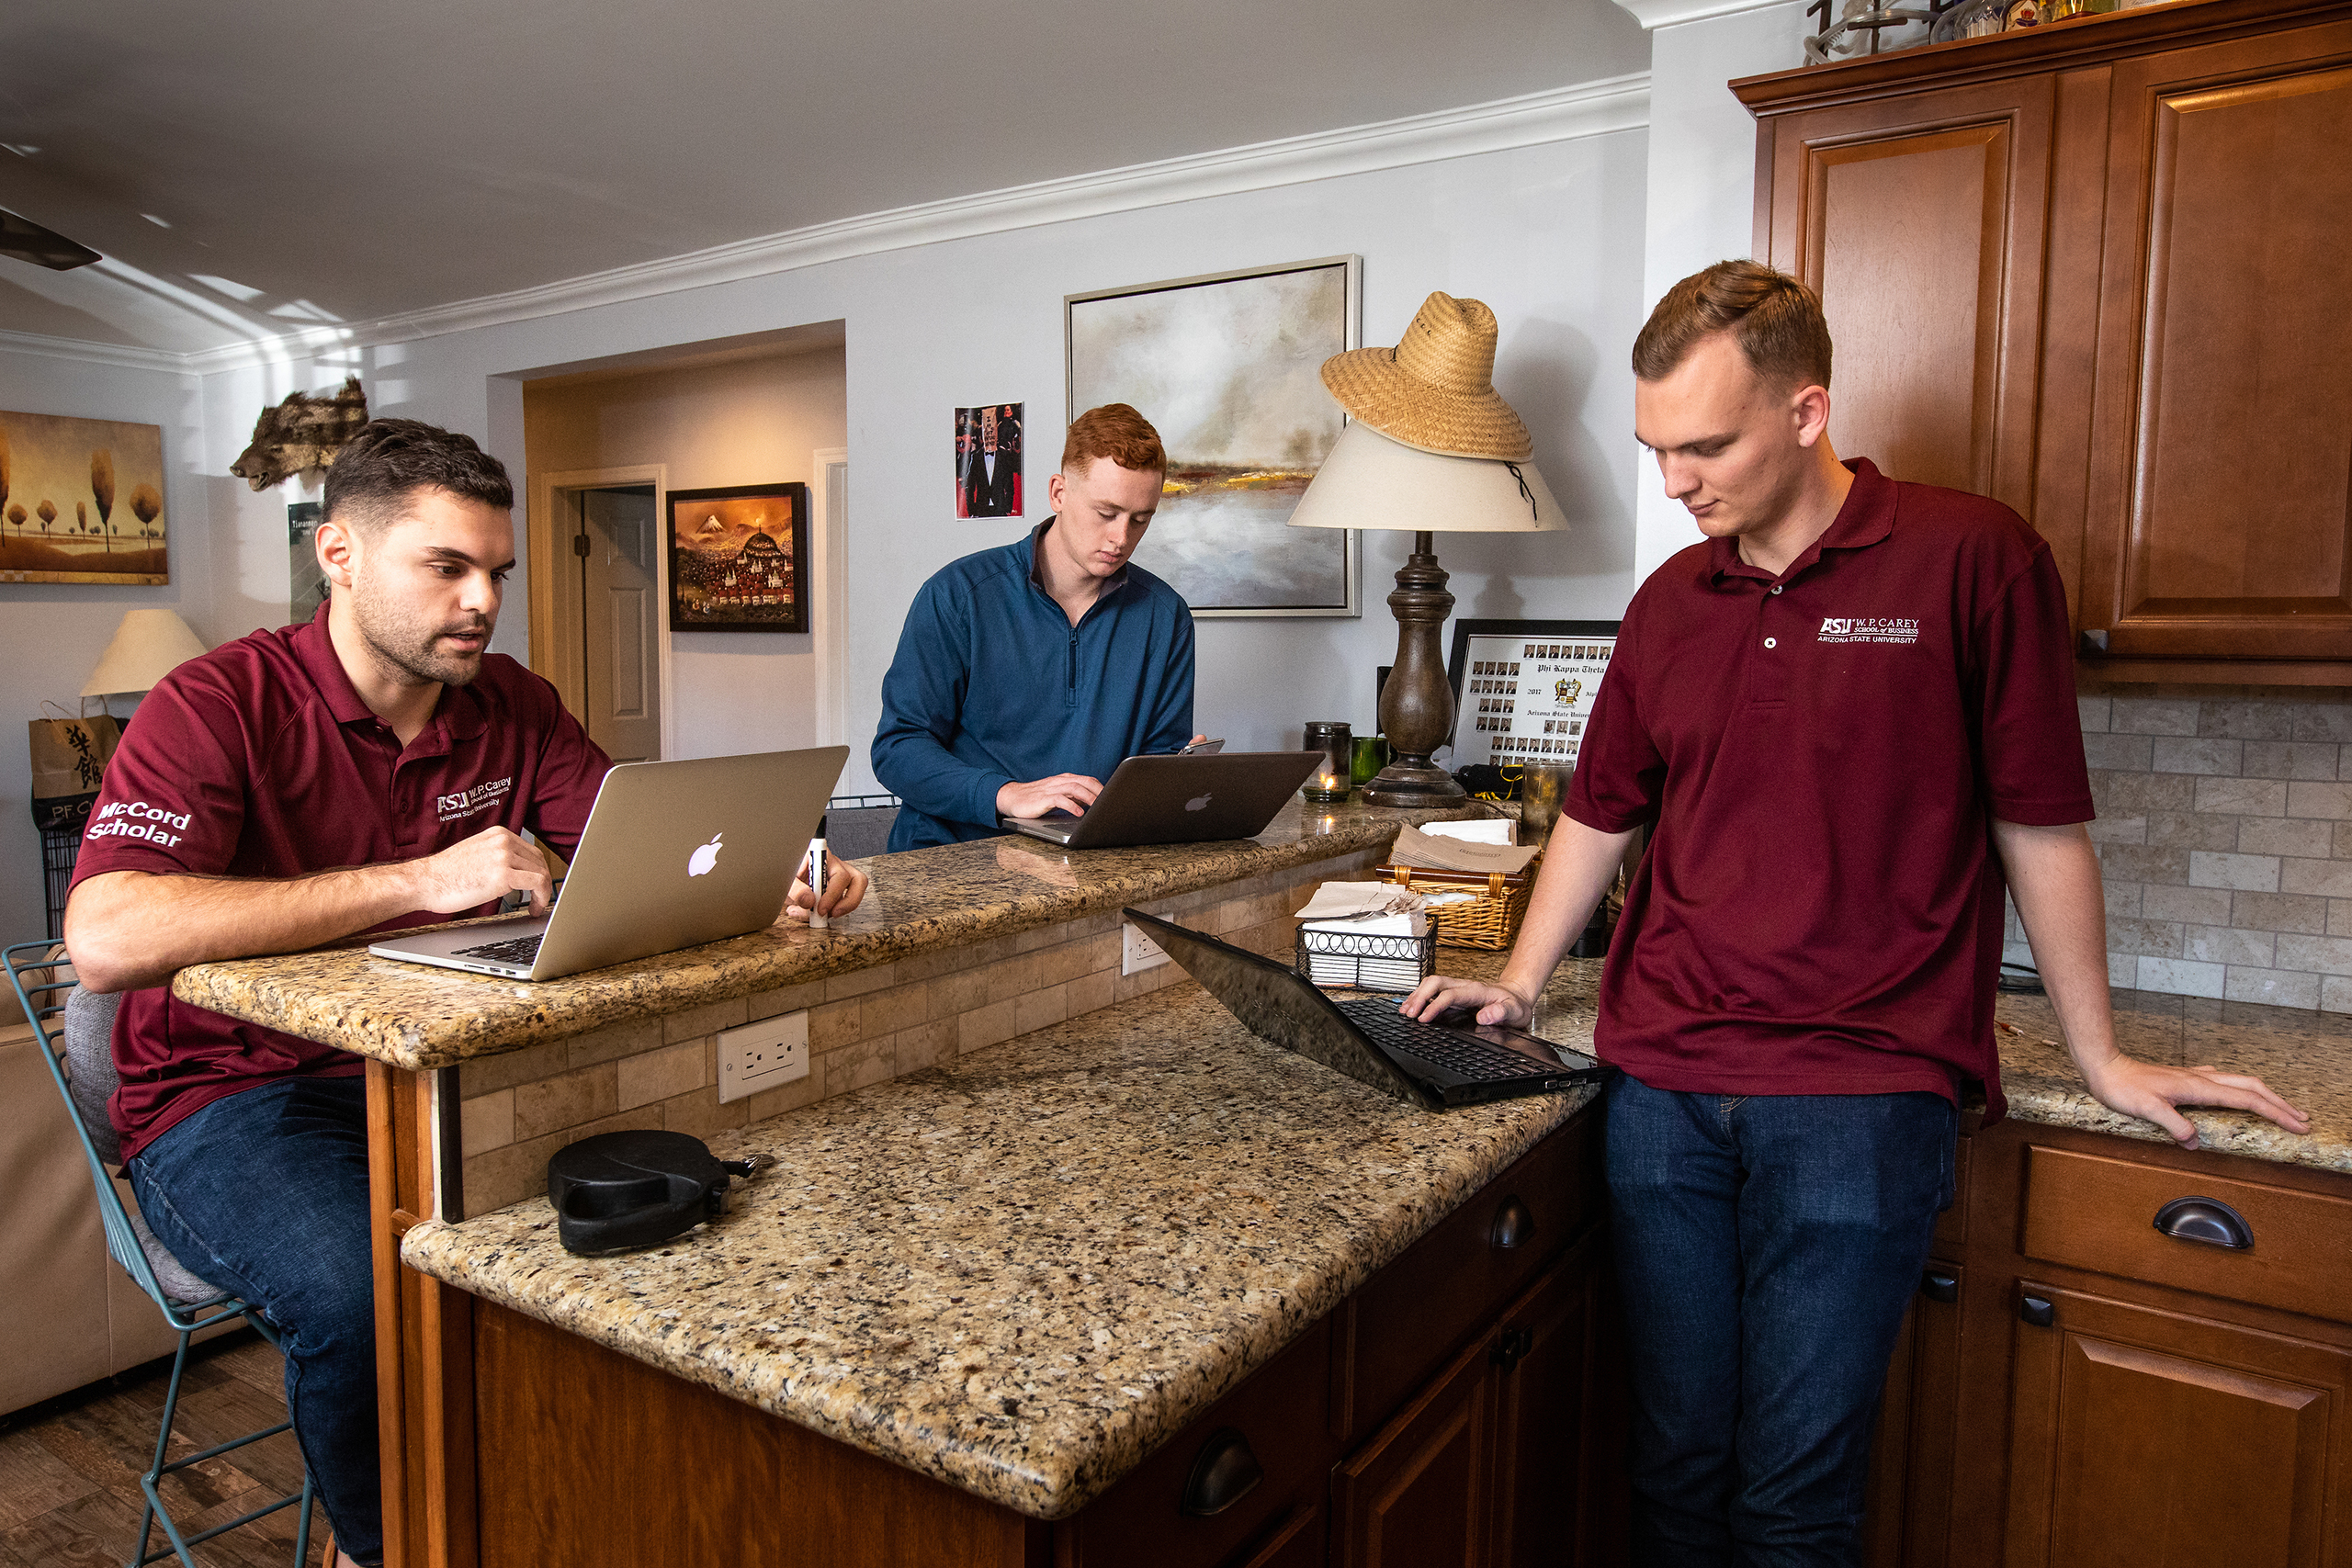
x=1563 y=114
x=1655 y=14
x=90 y=352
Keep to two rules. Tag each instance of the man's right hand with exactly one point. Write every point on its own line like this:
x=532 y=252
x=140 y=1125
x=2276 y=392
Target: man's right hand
x=1441 y=994
x=1072 y=793
x=481 y=870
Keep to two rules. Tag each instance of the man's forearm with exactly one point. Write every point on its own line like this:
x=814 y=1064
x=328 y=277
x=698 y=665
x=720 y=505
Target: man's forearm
x=131 y=928
x=2054 y=876
x=1580 y=862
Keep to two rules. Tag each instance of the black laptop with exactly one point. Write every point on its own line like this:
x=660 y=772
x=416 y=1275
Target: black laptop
x=1429 y=1065
x=1177 y=800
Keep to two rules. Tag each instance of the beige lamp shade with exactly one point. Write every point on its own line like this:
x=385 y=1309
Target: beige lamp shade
x=148 y=646
x=1371 y=482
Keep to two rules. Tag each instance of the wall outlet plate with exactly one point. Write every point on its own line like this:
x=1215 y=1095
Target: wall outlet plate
x=1138 y=952
x=765 y=1055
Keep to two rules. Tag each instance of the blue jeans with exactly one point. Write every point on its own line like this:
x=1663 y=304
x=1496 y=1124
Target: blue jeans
x=1766 y=1248
x=264 y=1194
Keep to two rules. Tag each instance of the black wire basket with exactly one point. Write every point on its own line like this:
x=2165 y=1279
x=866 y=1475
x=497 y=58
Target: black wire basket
x=1358 y=961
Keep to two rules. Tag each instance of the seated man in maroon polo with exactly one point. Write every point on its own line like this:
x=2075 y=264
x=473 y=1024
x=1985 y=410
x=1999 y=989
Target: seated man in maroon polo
x=288 y=789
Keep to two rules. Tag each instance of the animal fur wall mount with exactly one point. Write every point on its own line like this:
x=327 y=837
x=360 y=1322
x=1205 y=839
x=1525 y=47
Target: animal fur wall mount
x=302 y=432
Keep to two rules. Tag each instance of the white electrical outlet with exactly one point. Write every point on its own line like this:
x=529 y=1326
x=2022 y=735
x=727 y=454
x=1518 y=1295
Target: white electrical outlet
x=763 y=1056
x=1138 y=952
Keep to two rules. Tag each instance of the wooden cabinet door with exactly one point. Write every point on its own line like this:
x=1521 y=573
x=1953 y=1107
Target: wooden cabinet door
x=2140 y=1437
x=2219 y=485
x=1911 y=1458
x=1417 y=1494
x=1543 y=1349
x=1919 y=220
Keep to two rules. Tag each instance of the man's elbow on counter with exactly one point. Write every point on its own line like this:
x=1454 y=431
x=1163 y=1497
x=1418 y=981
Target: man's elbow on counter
x=101 y=935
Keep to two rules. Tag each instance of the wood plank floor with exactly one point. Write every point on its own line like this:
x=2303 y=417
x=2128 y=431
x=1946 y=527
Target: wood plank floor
x=70 y=1468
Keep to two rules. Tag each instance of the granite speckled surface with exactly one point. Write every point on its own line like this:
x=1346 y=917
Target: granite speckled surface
x=1021 y=1272
x=417 y=1016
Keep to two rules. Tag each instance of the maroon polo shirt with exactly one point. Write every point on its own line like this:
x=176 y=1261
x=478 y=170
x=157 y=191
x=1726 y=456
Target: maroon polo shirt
x=259 y=759
x=1821 y=755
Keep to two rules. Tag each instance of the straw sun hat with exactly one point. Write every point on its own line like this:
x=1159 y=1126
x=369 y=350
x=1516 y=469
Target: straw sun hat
x=1434 y=390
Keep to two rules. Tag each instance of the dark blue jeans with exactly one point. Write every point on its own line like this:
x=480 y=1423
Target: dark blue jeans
x=264 y=1194
x=1766 y=1248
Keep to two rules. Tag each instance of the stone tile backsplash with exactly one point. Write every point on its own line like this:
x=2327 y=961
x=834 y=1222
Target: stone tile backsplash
x=2224 y=835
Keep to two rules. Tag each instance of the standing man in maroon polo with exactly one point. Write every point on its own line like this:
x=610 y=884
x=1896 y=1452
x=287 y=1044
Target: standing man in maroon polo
x=368 y=770
x=1848 y=719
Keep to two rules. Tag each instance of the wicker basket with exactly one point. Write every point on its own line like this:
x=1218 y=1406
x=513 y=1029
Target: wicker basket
x=1489 y=920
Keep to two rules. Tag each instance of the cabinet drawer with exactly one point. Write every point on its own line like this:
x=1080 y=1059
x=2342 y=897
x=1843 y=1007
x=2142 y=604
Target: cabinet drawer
x=2099 y=1213
x=1279 y=1412
x=1410 y=1317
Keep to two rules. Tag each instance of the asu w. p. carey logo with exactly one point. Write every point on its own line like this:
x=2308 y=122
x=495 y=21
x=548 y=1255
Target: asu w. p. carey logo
x=1871 y=628
x=451 y=808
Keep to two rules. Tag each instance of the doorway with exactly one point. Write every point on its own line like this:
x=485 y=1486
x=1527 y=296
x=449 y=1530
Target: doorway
x=617 y=575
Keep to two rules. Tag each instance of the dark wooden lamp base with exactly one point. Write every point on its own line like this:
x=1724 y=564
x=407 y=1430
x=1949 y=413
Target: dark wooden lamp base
x=1416 y=706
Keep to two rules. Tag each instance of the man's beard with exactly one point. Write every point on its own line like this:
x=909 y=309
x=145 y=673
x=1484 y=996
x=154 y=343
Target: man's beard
x=408 y=644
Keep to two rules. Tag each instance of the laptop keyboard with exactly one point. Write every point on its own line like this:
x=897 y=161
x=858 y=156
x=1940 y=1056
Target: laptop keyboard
x=518 y=950
x=1466 y=1054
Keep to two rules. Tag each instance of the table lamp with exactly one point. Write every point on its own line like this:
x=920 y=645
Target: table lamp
x=148 y=646
x=1432 y=448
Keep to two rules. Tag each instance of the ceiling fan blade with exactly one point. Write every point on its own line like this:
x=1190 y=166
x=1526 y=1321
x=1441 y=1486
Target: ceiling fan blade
x=27 y=241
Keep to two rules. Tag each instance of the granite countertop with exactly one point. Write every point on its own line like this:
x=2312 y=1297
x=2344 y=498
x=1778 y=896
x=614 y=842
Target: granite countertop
x=419 y=1018
x=1021 y=1272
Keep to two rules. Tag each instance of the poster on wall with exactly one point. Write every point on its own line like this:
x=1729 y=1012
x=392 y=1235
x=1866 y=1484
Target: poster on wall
x=739 y=559
x=1228 y=367
x=305 y=584
x=988 y=460
x=1524 y=690
x=81 y=501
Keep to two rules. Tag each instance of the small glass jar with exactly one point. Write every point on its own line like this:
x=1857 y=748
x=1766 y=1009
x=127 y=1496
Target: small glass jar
x=1371 y=756
x=1331 y=779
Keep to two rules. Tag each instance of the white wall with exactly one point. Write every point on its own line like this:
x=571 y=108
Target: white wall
x=1702 y=187
x=51 y=633
x=1548 y=235
x=745 y=421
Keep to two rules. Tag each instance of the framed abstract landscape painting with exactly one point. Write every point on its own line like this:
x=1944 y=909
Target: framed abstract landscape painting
x=82 y=501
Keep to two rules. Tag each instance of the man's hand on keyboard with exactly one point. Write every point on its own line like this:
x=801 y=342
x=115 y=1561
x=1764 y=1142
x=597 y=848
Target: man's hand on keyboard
x=481 y=870
x=1439 y=994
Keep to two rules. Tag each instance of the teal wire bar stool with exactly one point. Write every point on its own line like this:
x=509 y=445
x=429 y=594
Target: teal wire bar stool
x=75 y=1027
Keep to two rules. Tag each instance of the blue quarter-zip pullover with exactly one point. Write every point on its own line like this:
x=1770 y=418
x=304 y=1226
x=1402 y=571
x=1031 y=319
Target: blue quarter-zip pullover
x=993 y=686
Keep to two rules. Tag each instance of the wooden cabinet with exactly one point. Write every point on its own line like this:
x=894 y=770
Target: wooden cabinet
x=2099 y=273
x=2142 y=1435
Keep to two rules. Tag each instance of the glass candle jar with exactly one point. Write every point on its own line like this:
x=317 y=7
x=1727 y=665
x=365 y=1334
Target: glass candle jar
x=1331 y=779
x=1371 y=756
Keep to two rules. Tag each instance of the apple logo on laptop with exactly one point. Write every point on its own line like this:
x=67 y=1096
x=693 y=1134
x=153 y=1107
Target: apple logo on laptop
x=1196 y=803
x=701 y=862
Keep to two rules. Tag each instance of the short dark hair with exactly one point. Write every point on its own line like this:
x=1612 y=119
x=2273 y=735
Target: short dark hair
x=391 y=459
x=1776 y=320
x=1117 y=432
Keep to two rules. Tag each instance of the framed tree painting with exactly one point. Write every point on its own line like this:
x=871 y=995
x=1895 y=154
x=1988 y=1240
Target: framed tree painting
x=82 y=501
x=739 y=559
x=1228 y=367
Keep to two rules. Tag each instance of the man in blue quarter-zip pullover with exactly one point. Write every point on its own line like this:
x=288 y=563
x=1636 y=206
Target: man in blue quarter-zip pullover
x=1026 y=674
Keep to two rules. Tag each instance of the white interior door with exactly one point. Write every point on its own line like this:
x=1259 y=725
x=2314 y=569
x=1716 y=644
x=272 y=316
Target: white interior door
x=617 y=550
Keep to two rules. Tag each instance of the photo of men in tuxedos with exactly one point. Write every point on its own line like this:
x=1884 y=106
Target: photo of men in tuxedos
x=988 y=461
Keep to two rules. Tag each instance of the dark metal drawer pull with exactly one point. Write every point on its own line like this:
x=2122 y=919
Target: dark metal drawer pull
x=2037 y=1312
x=1225 y=1472
x=2205 y=1220
x=1938 y=1286
x=1513 y=1225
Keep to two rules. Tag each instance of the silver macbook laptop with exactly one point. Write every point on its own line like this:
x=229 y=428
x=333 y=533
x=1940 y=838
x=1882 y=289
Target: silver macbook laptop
x=674 y=854
x=1177 y=799
x=1457 y=1061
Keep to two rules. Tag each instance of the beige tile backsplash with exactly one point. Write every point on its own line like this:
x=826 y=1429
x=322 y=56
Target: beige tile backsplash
x=2224 y=835
x=864 y=1027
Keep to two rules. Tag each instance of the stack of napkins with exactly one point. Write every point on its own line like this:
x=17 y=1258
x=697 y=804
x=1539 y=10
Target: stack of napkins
x=1437 y=851
x=1364 y=909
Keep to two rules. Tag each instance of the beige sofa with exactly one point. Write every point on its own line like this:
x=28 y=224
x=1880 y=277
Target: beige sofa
x=76 y=1316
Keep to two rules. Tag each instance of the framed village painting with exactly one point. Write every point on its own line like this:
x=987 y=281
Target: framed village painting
x=1228 y=367
x=82 y=501
x=739 y=559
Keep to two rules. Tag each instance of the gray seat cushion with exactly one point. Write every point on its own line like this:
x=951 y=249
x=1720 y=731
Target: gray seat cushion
x=89 y=1060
